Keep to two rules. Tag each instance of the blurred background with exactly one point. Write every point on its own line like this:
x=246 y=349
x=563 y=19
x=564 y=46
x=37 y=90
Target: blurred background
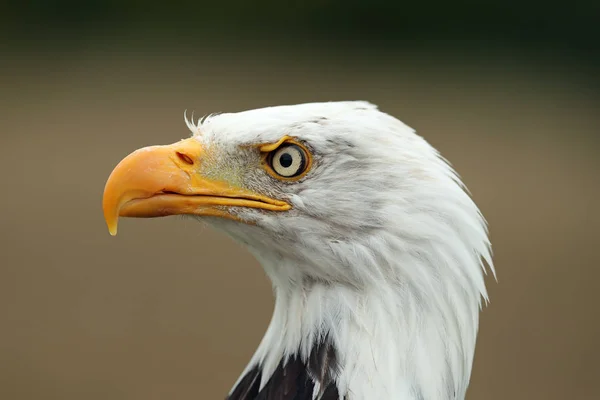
x=508 y=91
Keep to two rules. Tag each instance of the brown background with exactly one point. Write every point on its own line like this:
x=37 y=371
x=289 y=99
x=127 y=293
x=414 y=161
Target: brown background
x=171 y=310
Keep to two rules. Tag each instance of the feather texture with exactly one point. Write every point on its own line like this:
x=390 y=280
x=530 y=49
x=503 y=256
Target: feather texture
x=294 y=379
x=248 y=387
x=383 y=252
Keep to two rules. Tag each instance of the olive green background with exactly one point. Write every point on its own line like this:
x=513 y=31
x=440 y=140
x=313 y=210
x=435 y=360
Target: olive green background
x=169 y=309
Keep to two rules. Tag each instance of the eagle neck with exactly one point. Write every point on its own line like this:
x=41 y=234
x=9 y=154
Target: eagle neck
x=386 y=345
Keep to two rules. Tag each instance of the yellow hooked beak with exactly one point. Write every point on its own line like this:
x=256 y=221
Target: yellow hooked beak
x=158 y=181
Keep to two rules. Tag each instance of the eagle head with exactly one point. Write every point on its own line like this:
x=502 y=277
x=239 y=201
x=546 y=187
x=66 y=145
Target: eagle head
x=374 y=248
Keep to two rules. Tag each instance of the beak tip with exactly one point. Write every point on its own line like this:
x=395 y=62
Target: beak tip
x=112 y=227
x=110 y=209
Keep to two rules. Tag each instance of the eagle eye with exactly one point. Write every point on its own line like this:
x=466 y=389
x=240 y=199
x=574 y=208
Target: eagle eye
x=289 y=161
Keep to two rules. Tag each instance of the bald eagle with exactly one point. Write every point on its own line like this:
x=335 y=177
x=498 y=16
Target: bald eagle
x=375 y=251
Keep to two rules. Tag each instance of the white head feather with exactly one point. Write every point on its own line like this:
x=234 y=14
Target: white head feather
x=383 y=250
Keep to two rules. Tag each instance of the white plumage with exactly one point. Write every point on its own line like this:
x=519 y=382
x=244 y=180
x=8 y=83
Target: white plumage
x=381 y=254
x=383 y=249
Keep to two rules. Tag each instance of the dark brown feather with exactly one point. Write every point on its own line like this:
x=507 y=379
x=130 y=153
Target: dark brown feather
x=289 y=382
x=294 y=379
x=322 y=363
x=247 y=388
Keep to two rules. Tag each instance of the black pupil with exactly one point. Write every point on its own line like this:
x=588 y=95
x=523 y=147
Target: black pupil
x=285 y=160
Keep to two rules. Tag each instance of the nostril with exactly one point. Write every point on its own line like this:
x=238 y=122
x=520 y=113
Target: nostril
x=185 y=158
